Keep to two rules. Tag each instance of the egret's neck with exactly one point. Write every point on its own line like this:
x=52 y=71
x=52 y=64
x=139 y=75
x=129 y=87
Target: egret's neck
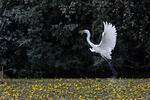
x=88 y=39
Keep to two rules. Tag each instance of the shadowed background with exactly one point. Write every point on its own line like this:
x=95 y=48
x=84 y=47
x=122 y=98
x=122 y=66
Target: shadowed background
x=39 y=38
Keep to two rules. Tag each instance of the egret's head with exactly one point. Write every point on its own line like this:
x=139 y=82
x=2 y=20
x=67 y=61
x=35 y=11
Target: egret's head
x=84 y=31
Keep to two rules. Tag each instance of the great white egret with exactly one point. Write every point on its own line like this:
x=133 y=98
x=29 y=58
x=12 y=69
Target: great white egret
x=106 y=44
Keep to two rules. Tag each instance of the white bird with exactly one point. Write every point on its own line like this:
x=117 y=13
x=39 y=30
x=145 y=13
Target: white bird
x=107 y=43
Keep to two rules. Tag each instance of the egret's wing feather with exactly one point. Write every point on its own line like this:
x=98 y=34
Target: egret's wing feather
x=108 y=41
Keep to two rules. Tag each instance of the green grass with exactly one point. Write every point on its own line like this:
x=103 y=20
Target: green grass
x=64 y=89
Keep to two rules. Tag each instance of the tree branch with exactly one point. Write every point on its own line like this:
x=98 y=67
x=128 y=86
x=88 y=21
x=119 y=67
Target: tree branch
x=4 y=6
x=2 y=11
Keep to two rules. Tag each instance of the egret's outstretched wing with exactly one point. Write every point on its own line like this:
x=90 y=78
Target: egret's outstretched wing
x=108 y=41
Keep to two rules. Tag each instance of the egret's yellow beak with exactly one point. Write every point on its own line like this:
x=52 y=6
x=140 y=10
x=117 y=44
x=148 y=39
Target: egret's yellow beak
x=81 y=32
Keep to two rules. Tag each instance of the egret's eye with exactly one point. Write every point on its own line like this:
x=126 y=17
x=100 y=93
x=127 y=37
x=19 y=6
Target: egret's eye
x=81 y=32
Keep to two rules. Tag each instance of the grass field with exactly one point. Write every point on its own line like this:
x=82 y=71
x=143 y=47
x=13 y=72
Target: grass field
x=75 y=89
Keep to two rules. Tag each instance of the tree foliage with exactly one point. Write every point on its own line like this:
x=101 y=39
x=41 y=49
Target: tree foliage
x=40 y=38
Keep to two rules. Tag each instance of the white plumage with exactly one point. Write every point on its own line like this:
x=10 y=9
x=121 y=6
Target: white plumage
x=107 y=43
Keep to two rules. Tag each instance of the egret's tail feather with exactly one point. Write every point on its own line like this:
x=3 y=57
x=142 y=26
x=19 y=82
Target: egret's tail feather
x=107 y=55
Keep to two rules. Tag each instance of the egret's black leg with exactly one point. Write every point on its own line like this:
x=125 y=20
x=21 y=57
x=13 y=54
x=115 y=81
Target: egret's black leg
x=114 y=72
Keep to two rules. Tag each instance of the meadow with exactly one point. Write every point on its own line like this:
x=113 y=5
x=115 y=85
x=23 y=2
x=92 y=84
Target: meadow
x=75 y=89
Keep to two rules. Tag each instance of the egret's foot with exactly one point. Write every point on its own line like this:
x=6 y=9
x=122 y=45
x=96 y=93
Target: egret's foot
x=115 y=74
x=92 y=50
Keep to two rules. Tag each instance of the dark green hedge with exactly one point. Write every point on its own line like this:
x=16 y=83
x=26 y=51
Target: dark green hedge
x=39 y=38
